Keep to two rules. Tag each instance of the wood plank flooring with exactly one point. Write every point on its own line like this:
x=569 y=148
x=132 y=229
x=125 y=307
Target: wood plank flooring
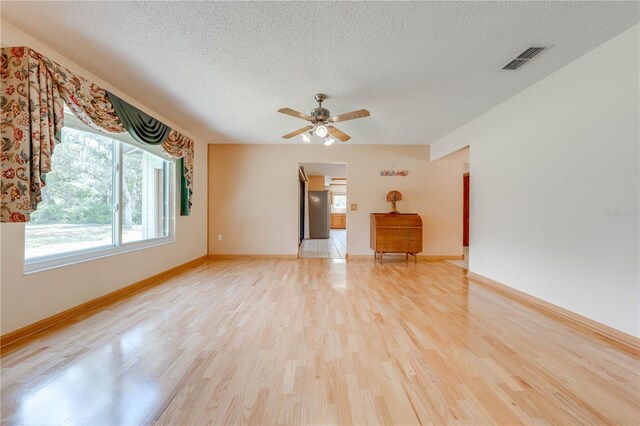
x=319 y=342
x=334 y=247
x=464 y=262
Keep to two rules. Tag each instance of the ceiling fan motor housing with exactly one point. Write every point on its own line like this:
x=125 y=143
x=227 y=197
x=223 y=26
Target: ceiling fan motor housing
x=320 y=115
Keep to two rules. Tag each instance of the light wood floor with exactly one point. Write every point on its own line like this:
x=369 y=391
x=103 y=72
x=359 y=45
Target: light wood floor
x=319 y=342
x=464 y=262
x=334 y=247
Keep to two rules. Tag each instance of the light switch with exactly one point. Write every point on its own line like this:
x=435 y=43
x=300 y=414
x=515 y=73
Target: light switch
x=354 y=207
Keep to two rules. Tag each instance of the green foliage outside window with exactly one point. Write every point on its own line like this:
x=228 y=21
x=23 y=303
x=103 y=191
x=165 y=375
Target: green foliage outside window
x=79 y=188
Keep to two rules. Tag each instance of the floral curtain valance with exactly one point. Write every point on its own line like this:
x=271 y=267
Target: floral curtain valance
x=33 y=89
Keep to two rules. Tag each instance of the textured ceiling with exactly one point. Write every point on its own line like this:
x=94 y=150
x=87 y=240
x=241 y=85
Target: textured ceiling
x=222 y=70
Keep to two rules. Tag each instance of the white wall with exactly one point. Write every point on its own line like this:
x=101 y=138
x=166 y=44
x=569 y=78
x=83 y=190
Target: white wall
x=253 y=195
x=27 y=299
x=547 y=166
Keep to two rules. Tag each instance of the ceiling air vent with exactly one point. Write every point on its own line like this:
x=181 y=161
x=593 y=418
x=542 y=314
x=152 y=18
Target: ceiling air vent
x=515 y=64
x=522 y=58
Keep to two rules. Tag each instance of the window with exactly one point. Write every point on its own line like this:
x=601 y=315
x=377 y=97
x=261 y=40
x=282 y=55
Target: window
x=144 y=204
x=103 y=196
x=339 y=201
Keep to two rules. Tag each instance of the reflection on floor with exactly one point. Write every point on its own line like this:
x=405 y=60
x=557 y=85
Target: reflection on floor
x=334 y=247
x=464 y=263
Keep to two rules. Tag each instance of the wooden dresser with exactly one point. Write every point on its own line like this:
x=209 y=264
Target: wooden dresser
x=396 y=233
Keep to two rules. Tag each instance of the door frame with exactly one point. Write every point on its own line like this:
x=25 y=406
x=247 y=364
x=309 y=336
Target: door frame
x=302 y=203
x=465 y=209
x=306 y=192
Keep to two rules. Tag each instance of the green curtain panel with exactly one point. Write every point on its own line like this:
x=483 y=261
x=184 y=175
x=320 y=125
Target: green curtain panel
x=185 y=191
x=141 y=126
x=180 y=146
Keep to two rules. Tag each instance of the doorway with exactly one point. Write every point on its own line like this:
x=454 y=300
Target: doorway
x=462 y=156
x=301 y=204
x=322 y=210
x=465 y=210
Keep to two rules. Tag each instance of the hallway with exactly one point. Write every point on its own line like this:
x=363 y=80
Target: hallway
x=334 y=247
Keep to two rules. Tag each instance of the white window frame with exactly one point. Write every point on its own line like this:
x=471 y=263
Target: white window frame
x=57 y=260
x=339 y=195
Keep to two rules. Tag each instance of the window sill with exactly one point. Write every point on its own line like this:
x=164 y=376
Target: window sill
x=47 y=263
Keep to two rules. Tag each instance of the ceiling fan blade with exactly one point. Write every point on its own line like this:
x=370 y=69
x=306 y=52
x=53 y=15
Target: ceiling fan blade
x=293 y=113
x=361 y=113
x=338 y=134
x=297 y=132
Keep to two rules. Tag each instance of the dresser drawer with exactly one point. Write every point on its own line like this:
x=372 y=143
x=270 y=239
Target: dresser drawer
x=400 y=240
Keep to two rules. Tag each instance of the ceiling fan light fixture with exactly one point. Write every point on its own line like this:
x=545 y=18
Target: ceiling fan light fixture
x=329 y=141
x=322 y=131
x=306 y=138
x=320 y=118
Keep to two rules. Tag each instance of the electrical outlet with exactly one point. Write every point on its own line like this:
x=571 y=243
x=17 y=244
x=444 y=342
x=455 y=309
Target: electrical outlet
x=219 y=237
x=354 y=207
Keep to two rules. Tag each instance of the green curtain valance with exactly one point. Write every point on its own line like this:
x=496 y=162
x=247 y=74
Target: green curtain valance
x=148 y=130
x=140 y=125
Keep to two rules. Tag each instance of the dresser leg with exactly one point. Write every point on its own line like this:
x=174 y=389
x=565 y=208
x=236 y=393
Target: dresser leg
x=415 y=258
x=406 y=257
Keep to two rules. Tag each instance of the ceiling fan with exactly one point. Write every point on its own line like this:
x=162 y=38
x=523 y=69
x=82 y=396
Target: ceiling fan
x=320 y=119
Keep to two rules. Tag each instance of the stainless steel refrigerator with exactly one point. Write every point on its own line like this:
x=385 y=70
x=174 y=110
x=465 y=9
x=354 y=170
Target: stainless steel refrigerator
x=319 y=214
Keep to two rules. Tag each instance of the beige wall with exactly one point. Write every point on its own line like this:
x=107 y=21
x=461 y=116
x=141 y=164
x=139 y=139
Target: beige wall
x=26 y=299
x=253 y=195
x=459 y=156
x=338 y=189
x=554 y=208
